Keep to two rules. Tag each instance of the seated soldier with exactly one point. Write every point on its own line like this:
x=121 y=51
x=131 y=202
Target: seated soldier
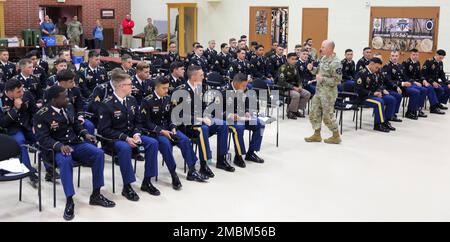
x=289 y=79
x=241 y=120
x=17 y=109
x=60 y=64
x=91 y=76
x=371 y=92
x=348 y=71
x=156 y=111
x=119 y=119
x=127 y=64
x=58 y=129
x=308 y=79
x=433 y=72
x=30 y=82
x=176 y=76
x=400 y=86
x=199 y=125
x=259 y=67
x=39 y=71
x=142 y=84
x=412 y=72
x=66 y=79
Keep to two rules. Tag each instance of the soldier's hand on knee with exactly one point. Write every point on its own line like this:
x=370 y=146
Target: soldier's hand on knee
x=66 y=150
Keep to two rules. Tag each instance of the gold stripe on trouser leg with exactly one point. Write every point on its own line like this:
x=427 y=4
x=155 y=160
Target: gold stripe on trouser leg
x=202 y=143
x=236 y=140
x=380 y=108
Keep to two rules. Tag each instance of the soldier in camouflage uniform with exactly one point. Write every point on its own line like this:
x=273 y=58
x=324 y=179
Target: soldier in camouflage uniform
x=150 y=34
x=329 y=74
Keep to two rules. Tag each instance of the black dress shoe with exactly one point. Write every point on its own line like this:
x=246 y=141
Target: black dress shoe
x=389 y=126
x=253 y=157
x=34 y=180
x=130 y=194
x=49 y=176
x=421 y=114
x=193 y=175
x=148 y=187
x=239 y=161
x=140 y=157
x=206 y=171
x=224 y=165
x=411 y=116
x=69 y=211
x=299 y=114
x=442 y=107
x=381 y=128
x=436 y=111
x=100 y=200
x=291 y=115
x=396 y=119
x=176 y=183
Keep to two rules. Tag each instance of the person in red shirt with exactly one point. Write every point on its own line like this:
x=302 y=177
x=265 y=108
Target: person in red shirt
x=127 y=35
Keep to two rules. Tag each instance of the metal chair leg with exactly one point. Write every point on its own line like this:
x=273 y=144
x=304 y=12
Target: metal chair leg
x=20 y=190
x=54 y=186
x=79 y=171
x=39 y=185
x=113 y=177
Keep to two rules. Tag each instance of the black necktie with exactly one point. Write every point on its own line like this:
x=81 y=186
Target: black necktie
x=63 y=114
x=125 y=104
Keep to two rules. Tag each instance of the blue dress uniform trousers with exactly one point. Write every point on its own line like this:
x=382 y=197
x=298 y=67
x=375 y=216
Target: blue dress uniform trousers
x=89 y=126
x=124 y=153
x=257 y=127
x=87 y=154
x=443 y=94
x=350 y=83
x=218 y=127
x=397 y=97
x=185 y=145
x=21 y=139
x=415 y=98
x=384 y=108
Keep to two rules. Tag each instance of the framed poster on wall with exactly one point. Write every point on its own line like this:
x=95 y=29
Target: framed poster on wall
x=404 y=29
x=403 y=34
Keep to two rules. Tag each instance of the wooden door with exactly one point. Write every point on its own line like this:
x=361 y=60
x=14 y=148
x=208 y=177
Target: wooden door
x=261 y=26
x=315 y=26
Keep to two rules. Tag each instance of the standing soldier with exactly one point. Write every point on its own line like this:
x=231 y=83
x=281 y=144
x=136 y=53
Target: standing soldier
x=329 y=75
x=74 y=31
x=150 y=33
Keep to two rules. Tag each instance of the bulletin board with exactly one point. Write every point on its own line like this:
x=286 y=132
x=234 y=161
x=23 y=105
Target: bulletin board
x=403 y=29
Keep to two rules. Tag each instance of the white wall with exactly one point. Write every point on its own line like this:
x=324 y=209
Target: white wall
x=349 y=20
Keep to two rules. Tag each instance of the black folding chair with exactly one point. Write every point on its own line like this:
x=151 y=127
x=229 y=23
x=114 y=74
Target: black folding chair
x=10 y=149
x=47 y=156
x=108 y=148
x=344 y=103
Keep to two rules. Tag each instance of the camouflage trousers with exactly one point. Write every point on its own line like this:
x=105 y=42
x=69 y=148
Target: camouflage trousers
x=75 y=40
x=323 y=109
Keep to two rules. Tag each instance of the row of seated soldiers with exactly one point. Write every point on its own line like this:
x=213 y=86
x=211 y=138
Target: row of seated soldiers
x=264 y=67
x=127 y=106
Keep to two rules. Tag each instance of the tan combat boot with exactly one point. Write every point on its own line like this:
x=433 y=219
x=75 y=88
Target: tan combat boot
x=335 y=139
x=315 y=138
